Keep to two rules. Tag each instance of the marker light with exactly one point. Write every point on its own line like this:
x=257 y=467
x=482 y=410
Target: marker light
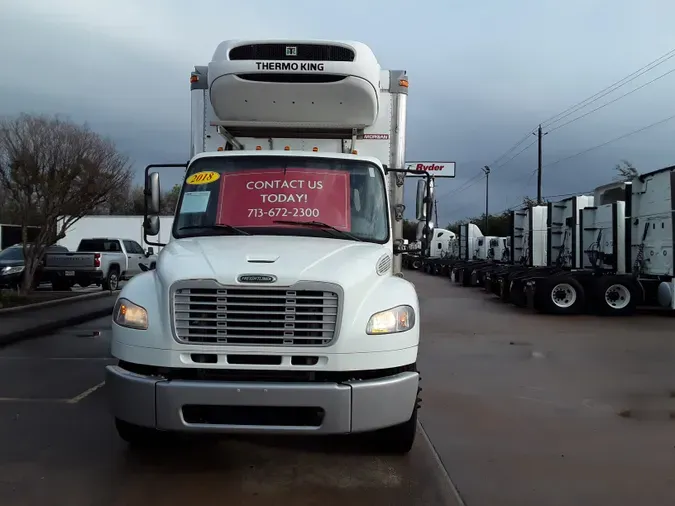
x=391 y=321
x=403 y=83
x=130 y=315
x=354 y=152
x=194 y=79
x=287 y=148
x=220 y=148
x=258 y=148
x=315 y=149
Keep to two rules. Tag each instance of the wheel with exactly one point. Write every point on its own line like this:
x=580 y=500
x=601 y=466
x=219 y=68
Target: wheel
x=560 y=295
x=504 y=288
x=416 y=264
x=517 y=296
x=615 y=296
x=112 y=280
x=397 y=440
x=135 y=435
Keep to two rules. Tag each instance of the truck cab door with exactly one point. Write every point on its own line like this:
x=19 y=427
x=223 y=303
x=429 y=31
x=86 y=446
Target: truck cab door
x=133 y=259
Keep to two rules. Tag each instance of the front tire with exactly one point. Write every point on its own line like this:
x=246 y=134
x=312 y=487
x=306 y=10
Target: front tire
x=398 y=439
x=135 y=435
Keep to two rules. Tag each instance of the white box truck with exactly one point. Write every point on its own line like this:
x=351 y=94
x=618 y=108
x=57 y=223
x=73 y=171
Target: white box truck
x=277 y=305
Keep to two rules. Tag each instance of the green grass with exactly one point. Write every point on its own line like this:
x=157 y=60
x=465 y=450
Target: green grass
x=9 y=298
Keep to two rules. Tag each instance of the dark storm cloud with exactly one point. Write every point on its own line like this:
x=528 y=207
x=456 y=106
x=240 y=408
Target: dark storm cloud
x=482 y=75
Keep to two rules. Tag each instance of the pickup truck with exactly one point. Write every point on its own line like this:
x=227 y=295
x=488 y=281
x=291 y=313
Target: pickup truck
x=100 y=261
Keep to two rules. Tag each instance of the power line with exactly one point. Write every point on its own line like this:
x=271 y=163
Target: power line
x=518 y=153
x=669 y=118
x=513 y=148
x=612 y=101
x=605 y=91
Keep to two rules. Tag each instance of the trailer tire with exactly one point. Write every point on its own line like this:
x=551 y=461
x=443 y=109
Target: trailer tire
x=503 y=289
x=560 y=295
x=615 y=296
x=416 y=264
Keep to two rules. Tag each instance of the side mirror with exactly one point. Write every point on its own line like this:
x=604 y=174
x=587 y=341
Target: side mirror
x=150 y=252
x=425 y=199
x=152 y=194
x=419 y=201
x=151 y=225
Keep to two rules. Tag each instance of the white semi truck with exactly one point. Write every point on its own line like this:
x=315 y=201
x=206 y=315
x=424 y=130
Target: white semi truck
x=277 y=305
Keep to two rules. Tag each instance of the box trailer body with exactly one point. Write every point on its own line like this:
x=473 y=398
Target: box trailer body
x=250 y=292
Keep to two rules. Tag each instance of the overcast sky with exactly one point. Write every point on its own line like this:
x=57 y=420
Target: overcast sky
x=482 y=75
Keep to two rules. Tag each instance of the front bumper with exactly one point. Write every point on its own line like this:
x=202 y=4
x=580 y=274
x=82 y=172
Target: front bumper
x=261 y=407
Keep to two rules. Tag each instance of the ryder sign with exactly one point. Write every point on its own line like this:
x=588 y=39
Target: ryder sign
x=436 y=169
x=258 y=198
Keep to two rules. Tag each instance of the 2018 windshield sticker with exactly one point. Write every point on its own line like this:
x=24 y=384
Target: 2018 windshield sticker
x=258 y=198
x=204 y=177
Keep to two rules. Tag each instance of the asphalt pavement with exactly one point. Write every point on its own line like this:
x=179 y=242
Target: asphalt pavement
x=59 y=447
x=520 y=410
x=531 y=410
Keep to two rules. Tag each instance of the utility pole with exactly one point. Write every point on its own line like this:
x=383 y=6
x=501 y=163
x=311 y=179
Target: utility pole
x=540 y=136
x=486 y=169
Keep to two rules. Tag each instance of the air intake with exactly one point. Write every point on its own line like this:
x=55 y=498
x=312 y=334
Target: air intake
x=288 y=51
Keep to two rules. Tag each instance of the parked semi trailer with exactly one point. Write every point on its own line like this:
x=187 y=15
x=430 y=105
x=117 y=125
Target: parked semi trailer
x=628 y=254
x=277 y=305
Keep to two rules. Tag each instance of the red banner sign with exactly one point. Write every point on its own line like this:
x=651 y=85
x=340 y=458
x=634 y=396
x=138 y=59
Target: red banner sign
x=258 y=198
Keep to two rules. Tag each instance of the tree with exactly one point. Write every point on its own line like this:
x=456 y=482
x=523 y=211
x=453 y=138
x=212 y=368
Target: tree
x=51 y=169
x=625 y=171
x=170 y=201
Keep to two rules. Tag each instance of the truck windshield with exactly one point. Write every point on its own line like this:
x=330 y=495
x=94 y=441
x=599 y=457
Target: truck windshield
x=276 y=195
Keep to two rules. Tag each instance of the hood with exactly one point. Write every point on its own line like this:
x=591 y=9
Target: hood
x=290 y=259
x=11 y=263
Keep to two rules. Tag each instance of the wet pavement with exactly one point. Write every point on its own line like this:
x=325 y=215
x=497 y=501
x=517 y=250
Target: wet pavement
x=523 y=410
x=59 y=446
x=528 y=409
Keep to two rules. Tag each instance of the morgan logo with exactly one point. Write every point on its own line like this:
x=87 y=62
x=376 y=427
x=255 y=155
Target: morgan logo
x=256 y=278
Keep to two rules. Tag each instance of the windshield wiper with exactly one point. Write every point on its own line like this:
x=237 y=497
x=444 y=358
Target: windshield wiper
x=215 y=227
x=318 y=224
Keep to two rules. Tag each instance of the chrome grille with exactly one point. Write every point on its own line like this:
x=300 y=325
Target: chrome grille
x=255 y=316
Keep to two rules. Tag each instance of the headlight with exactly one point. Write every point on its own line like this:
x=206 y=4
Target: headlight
x=12 y=270
x=128 y=314
x=397 y=319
